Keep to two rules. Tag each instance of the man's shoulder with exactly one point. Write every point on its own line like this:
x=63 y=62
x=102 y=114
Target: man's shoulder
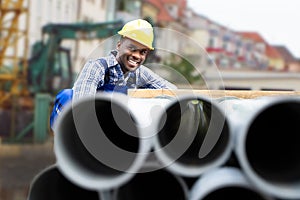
x=102 y=61
x=110 y=59
x=144 y=70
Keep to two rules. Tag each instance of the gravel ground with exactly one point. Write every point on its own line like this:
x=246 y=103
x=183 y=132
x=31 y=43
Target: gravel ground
x=19 y=164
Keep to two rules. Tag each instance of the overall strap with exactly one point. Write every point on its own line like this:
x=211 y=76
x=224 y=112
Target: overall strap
x=106 y=71
x=104 y=63
x=106 y=74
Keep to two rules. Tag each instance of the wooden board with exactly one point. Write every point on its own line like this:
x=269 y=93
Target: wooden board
x=244 y=94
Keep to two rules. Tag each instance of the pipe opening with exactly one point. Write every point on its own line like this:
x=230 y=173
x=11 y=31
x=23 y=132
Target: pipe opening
x=158 y=184
x=118 y=125
x=273 y=143
x=233 y=192
x=111 y=126
x=51 y=184
x=187 y=124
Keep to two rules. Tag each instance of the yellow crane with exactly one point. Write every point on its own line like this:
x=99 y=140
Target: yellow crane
x=14 y=22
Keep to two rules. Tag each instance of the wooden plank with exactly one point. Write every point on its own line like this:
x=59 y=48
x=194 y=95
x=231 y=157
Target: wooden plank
x=244 y=94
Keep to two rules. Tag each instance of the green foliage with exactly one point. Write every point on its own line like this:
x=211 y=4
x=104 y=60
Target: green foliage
x=185 y=68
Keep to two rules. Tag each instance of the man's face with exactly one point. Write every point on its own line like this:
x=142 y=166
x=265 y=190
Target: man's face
x=131 y=54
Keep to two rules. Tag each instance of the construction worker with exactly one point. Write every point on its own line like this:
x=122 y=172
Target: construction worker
x=123 y=68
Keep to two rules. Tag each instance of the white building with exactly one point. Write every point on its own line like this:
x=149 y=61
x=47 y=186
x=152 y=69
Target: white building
x=50 y=11
x=66 y=12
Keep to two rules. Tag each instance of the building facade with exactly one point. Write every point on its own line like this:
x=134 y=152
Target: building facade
x=206 y=43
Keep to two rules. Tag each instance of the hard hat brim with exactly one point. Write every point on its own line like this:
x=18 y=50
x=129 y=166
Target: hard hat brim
x=128 y=36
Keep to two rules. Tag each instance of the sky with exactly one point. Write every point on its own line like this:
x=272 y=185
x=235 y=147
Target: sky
x=277 y=21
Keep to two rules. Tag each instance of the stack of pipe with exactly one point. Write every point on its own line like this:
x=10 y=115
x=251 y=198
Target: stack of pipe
x=193 y=147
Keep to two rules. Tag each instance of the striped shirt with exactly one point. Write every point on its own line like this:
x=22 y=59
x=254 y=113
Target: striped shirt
x=93 y=76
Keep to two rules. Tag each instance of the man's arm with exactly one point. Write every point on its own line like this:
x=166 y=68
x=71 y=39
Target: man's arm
x=148 y=79
x=89 y=78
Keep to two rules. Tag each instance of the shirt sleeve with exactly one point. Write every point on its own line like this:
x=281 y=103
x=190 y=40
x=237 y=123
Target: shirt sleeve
x=150 y=80
x=88 y=80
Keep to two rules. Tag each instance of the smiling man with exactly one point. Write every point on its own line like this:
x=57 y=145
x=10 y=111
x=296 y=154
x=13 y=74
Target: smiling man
x=123 y=68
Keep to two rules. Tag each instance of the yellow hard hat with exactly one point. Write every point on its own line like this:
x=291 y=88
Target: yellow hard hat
x=139 y=30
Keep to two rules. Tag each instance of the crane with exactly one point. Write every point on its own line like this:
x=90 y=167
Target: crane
x=47 y=55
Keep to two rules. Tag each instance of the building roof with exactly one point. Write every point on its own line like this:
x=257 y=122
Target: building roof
x=253 y=36
x=163 y=14
x=272 y=52
x=285 y=53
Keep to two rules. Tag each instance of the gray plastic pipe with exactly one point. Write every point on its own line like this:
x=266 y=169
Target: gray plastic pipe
x=152 y=183
x=99 y=143
x=239 y=111
x=147 y=111
x=193 y=135
x=267 y=144
x=225 y=183
x=50 y=184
